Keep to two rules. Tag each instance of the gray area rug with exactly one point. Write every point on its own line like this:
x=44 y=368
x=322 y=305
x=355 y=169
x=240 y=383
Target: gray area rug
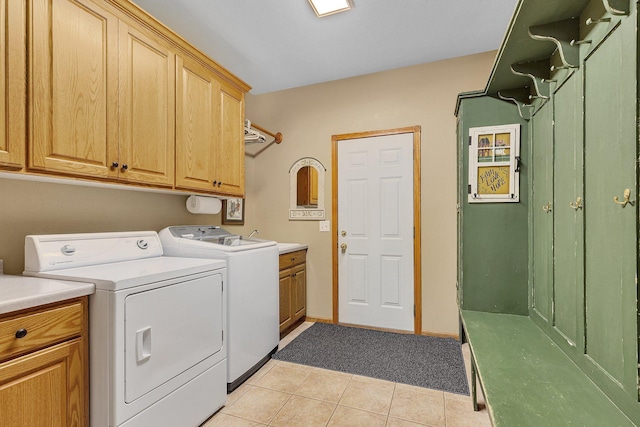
x=422 y=361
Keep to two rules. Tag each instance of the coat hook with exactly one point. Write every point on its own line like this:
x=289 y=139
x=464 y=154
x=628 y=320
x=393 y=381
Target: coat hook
x=577 y=205
x=532 y=97
x=590 y=21
x=549 y=80
x=562 y=67
x=575 y=42
x=626 y=195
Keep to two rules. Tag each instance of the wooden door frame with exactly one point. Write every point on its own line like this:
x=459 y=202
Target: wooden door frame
x=417 y=270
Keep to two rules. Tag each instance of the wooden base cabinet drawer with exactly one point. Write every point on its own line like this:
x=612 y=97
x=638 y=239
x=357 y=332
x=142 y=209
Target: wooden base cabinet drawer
x=292 y=258
x=31 y=332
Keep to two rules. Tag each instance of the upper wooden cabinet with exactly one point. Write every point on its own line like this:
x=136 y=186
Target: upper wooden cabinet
x=197 y=120
x=12 y=83
x=230 y=146
x=209 y=132
x=73 y=57
x=147 y=108
x=117 y=96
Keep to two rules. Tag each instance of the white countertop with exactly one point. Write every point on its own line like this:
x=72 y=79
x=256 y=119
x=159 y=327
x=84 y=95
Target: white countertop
x=20 y=292
x=285 y=248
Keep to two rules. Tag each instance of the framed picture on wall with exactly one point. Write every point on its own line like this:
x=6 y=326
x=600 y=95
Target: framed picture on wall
x=233 y=211
x=494 y=164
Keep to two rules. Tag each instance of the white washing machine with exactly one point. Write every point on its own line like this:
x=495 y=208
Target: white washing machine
x=156 y=351
x=253 y=322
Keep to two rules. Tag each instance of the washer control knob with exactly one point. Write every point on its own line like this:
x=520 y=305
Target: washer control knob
x=143 y=244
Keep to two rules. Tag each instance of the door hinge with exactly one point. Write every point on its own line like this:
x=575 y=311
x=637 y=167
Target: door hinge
x=469 y=189
x=469 y=139
x=222 y=336
x=414 y=310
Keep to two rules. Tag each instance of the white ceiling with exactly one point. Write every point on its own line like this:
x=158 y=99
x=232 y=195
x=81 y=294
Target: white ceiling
x=281 y=44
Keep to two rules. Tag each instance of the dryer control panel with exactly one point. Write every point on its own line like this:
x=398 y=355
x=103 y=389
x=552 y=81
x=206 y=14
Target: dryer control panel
x=58 y=251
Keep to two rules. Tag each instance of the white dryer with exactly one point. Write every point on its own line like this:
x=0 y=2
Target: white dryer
x=157 y=354
x=252 y=291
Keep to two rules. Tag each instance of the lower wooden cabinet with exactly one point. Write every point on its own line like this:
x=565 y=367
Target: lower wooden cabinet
x=43 y=374
x=293 y=290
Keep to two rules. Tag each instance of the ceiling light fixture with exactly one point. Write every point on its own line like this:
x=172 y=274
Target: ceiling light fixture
x=329 y=7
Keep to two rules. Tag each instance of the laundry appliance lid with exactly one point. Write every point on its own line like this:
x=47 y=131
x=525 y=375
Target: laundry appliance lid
x=128 y=274
x=111 y=261
x=210 y=237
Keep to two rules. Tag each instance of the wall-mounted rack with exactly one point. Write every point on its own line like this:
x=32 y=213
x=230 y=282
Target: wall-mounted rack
x=257 y=146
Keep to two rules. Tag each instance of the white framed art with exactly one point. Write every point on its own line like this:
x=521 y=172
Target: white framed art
x=494 y=164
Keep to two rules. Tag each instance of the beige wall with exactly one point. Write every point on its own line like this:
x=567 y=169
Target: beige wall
x=422 y=95
x=43 y=208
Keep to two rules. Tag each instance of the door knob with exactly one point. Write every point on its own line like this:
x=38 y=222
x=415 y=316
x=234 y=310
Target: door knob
x=343 y=247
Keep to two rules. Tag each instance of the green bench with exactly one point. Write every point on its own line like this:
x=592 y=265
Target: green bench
x=527 y=380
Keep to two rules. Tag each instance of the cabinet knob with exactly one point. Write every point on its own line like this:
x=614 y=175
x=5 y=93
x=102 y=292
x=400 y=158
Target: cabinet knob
x=219 y=183
x=114 y=165
x=21 y=333
x=214 y=183
x=125 y=167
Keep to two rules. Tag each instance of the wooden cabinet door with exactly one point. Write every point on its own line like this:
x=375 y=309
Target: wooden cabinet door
x=45 y=388
x=286 y=318
x=299 y=291
x=73 y=57
x=229 y=170
x=568 y=295
x=197 y=125
x=610 y=230
x=147 y=109
x=13 y=15
x=542 y=211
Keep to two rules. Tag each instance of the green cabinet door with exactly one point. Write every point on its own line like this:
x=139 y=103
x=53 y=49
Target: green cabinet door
x=542 y=211
x=568 y=212
x=610 y=228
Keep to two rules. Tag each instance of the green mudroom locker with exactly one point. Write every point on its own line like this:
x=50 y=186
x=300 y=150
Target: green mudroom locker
x=557 y=240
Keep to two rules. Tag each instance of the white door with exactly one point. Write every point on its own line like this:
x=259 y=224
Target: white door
x=375 y=231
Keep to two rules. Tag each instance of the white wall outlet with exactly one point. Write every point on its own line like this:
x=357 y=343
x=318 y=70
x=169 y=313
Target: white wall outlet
x=325 y=225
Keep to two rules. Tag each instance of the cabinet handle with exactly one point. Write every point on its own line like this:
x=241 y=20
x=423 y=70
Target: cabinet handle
x=21 y=333
x=626 y=195
x=114 y=165
x=125 y=167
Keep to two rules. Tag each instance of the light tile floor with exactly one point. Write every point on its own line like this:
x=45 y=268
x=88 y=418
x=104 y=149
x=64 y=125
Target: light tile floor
x=291 y=395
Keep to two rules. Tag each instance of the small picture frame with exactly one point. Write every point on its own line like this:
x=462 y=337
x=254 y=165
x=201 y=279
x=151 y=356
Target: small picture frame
x=233 y=212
